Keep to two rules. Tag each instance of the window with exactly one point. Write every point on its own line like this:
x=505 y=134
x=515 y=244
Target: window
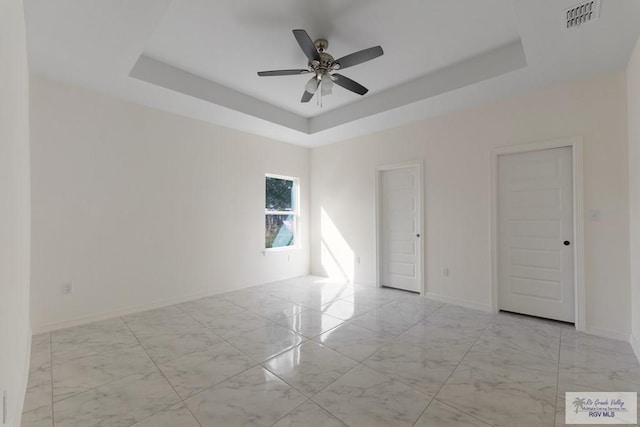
x=281 y=211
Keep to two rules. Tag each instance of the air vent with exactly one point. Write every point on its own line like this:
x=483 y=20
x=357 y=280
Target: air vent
x=581 y=14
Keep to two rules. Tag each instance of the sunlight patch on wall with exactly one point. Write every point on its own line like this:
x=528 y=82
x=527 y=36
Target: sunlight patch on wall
x=337 y=257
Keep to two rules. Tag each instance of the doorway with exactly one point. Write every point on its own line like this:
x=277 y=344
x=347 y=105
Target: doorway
x=399 y=226
x=537 y=230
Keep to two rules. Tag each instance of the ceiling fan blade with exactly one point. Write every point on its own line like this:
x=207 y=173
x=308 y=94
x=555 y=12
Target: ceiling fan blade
x=307 y=45
x=306 y=96
x=359 y=57
x=281 y=73
x=349 y=84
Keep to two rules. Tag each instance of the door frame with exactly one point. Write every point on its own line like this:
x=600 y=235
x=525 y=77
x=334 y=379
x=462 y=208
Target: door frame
x=378 y=215
x=576 y=145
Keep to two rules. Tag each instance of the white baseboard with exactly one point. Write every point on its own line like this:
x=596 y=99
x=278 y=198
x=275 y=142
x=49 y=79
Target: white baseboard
x=373 y=285
x=25 y=381
x=635 y=345
x=456 y=301
x=607 y=333
x=54 y=326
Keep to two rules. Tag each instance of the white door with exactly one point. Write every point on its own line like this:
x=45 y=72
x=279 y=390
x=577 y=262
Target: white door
x=535 y=220
x=399 y=227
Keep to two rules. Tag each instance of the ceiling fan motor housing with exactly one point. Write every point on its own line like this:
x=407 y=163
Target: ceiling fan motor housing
x=326 y=62
x=324 y=65
x=321 y=45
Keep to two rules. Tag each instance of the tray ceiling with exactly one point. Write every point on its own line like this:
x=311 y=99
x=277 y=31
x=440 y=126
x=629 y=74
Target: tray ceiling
x=199 y=58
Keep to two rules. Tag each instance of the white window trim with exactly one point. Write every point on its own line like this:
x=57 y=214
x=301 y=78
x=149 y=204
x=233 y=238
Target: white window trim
x=295 y=212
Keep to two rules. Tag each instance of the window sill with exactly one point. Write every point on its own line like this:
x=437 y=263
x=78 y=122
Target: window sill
x=281 y=249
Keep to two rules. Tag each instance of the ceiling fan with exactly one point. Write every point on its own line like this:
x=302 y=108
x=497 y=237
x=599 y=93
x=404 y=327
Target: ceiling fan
x=323 y=67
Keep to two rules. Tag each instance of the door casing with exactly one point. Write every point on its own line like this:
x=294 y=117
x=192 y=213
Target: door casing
x=378 y=224
x=576 y=145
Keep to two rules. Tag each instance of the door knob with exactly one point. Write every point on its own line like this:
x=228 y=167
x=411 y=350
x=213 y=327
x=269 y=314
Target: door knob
x=567 y=243
x=418 y=235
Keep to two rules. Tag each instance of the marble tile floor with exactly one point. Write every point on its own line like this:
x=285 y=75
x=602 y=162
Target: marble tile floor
x=311 y=352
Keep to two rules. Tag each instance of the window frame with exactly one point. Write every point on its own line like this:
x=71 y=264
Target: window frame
x=295 y=212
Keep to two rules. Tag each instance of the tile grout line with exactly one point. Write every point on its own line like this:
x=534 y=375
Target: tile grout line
x=53 y=419
x=323 y=388
x=361 y=363
x=452 y=372
x=98 y=386
x=308 y=340
x=209 y=329
x=261 y=364
x=552 y=323
x=388 y=333
x=285 y=415
x=218 y=383
x=227 y=342
x=258 y=364
x=320 y=404
x=121 y=318
x=456 y=409
x=284 y=381
x=105 y=383
x=387 y=343
x=555 y=420
x=392 y=339
x=163 y=376
x=305 y=309
x=346 y=355
x=400 y=381
x=309 y=400
x=311 y=339
x=139 y=343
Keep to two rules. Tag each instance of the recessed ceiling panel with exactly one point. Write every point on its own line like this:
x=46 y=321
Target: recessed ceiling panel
x=228 y=41
x=440 y=56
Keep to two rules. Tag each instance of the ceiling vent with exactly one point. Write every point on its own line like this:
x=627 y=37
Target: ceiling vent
x=581 y=14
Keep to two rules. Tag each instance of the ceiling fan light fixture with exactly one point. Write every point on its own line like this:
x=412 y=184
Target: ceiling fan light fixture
x=312 y=85
x=326 y=87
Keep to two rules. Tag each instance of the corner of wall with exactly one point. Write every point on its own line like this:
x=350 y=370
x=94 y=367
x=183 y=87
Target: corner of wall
x=633 y=112
x=607 y=333
x=473 y=305
x=25 y=379
x=15 y=212
x=635 y=344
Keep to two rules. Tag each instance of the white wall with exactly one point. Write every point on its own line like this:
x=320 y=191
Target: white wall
x=15 y=337
x=137 y=207
x=633 y=94
x=456 y=153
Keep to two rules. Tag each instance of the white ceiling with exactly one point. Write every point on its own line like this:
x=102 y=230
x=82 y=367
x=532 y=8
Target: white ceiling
x=199 y=58
x=227 y=41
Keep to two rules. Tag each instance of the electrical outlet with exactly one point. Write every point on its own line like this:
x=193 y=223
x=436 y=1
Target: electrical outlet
x=358 y=260
x=67 y=288
x=445 y=272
